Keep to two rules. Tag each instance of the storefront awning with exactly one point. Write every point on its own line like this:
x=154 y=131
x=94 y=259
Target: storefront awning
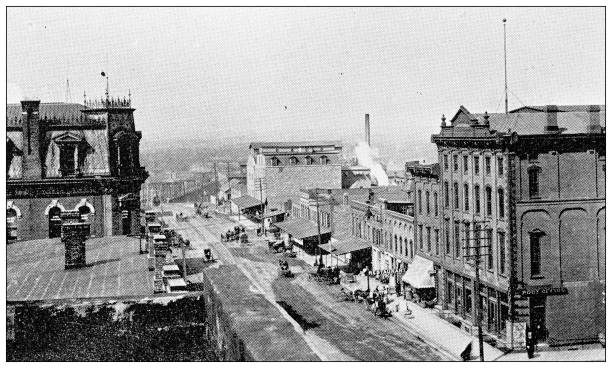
x=246 y=201
x=350 y=245
x=301 y=228
x=419 y=273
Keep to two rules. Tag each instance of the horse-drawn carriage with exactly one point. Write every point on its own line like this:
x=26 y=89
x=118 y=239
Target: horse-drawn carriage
x=283 y=269
x=328 y=275
x=276 y=246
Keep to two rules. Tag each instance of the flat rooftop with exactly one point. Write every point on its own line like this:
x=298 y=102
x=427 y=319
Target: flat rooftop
x=35 y=270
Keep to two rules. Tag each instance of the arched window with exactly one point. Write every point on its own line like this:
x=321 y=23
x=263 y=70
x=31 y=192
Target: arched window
x=324 y=160
x=55 y=222
x=405 y=247
x=427 y=202
x=446 y=195
x=477 y=198
x=293 y=160
x=420 y=201
x=500 y=202
x=411 y=248
x=309 y=160
x=395 y=243
x=535 y=250
x=85 y=212
x=456 y=194
x=275 y=161
x=435 y=199
x=489 y=201
x=466 y=197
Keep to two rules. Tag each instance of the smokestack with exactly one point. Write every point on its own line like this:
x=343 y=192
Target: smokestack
x=367 y=128
x=551 y=119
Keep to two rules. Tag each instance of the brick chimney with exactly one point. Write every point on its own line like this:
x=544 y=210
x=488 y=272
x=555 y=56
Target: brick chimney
x=594 y=126
x=551 y=119
x=74 y=234
x=367 y=128
x=31 y=160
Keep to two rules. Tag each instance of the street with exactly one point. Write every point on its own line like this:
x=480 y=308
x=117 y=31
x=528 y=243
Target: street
x=335 y=329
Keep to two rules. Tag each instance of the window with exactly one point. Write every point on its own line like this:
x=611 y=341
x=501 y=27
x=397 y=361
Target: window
x=536 y=253
x=428 y=240
x=447 y=236
x=500 y=202
x=435 y=200
x=446 y=195
x=406 y=248
x=420 y=201
x=456 y=194
x=489 y=240
x=476 y=165
x=534 y=182
x=488 y=165
x=421 y=237
x=466 y=234
x=468 y=301
x=293 y=160
x=466 y=169
x=411 y=249
x=466 y=197
x=455 y=163
x=500 y=166
x=427 y=203
x=437 y=239
x=477 y=198
x=67 y=159
x=489 y=200
x=445 y=162
x=275 y=161
x=457 y=245
x=324 y=160
x=309 y=160
x=395 y=243
x=501 y=245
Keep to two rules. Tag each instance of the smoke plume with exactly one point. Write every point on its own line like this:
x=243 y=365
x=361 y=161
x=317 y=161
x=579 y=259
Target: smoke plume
x=368 y=157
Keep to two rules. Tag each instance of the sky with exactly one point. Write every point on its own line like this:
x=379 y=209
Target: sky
x=243 y=74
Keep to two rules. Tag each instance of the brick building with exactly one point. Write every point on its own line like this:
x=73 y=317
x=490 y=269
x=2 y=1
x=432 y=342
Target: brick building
x=276 y=171
x=64 y=157
x=528 y=187
x=385 y=218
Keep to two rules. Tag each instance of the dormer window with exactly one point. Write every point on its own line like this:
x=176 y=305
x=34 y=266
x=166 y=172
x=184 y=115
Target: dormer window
x=275 y=161
x=293 y=160
x=72 y=151
x=309 y=160
x=324 y=160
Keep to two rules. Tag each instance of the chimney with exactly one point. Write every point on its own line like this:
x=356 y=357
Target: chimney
x=367 y=128
x=594 y=126
x=74 y=233
x=551 y=119
x=31 y=160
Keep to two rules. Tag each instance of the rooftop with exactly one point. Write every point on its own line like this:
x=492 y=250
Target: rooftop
x=295 y=144
x=35 y=270
x=49 y=110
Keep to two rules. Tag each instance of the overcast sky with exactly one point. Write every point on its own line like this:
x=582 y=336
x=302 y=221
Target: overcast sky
x=307 y=73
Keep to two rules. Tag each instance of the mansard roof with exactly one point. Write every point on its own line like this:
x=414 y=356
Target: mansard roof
x=51 y=110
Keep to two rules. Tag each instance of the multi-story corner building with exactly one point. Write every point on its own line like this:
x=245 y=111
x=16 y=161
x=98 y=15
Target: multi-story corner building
x=276 y=171
x=385 y=218
x=72 y=157
x=527 y=189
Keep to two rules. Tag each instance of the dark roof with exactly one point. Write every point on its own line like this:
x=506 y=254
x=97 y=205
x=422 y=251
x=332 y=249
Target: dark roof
x=345 y=246
x=246 y=201
x=50 y=110
x=301 y=228
x=559 y=108
x=295 y=144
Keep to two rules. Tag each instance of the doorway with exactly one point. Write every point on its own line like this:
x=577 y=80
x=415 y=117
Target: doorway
x=537 y=314
x=55 y=222
x=126 y=222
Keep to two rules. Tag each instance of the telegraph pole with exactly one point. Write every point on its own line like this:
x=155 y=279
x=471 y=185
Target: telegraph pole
x=262 y=207
x=505 y=68
x=318 y=225
x=476 y=257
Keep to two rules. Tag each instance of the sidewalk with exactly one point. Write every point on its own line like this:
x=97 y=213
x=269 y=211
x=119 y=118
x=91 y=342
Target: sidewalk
x=597 y=354
x=440 y=333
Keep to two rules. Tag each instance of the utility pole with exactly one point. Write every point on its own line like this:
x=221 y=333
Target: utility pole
x=216 y=182
x=318 y=225
x=184 y=263
x=331 y=225
x=476 y=257
x=505 y=68
x=262 y=207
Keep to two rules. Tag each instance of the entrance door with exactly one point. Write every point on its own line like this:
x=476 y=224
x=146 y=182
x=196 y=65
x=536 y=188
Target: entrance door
x=55 y=222
x=537 y=312
x=126 y=222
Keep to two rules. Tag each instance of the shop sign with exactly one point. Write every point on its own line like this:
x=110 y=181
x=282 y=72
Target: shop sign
x=543 y=290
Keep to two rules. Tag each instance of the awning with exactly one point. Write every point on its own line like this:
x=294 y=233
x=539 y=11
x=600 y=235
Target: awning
x=246 y=201
x=350 y=245
x=301 y=228
x=271 y=214
x=419 y=273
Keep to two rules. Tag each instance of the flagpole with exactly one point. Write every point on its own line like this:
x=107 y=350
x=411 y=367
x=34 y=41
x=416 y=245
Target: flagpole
x=505 y=68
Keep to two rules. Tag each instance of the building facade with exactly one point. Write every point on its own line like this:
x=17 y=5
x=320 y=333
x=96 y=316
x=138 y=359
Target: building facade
x=276 y=171
x=385 y=218
x=521 y=188
x=64 y=157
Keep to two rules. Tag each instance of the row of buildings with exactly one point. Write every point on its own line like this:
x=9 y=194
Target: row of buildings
x=523 y=191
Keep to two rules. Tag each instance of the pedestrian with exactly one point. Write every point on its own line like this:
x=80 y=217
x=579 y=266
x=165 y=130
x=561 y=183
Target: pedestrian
x=466 y=354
